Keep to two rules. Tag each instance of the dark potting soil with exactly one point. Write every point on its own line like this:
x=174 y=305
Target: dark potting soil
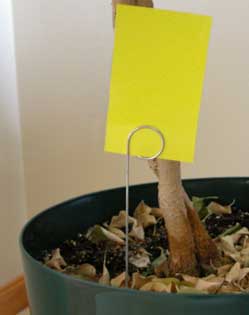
x=80 y=250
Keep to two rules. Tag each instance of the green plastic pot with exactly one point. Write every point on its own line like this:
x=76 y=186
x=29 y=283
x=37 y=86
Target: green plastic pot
x=53 y=293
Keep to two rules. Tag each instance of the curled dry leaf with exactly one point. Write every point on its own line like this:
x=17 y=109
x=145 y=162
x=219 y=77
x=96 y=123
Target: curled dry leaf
x=98 y=234
x=223 y=270
x=87 y=270
x=105 y=277
x=216 y=208
x=243 y=273
x=244 y=257
x=156 y=287
x=117 y=232
x=211 y=286
x=160 y=264
x=239 y=234
x=142 y=208
x=190 y=279
x=56 y=262
x=141 y=259
x=119 y=220
x=226 y=244
x=139 y=281
x=137 y=232
x=167 y=281
x=147 y=220
x=119 y=281
x=143 y=215
x=234 y=273
x=229 y=288
x=236 y=246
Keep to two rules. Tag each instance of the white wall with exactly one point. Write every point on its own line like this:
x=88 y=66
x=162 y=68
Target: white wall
x=12 y=201
x=64 y=53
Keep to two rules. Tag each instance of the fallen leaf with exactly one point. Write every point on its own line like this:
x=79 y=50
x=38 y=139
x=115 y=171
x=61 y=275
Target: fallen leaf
x=143 y=215
x=160 y=264
x=167 y=281
x=120 y=220
x=97 y=234
x=159 y=260
x=138 y=280
x=156 y=287
x=223 y=270
x=142 y=208
x=239 y=234
x=117 y=232
x=243 y=273
x=216 y=208
x=234 y=273
x=119 y=281
x=227 y=244
x=137 y=232
x=105 y=277
x=189 y=279
x=229 y=288
x=56 y=261
x=209 y=286
x=87 y=270
x=141 y=259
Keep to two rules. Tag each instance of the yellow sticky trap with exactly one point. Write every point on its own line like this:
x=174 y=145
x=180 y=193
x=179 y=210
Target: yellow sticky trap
x=157 y=77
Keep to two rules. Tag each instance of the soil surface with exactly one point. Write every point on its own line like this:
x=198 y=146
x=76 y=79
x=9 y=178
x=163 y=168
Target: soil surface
x=81 y=250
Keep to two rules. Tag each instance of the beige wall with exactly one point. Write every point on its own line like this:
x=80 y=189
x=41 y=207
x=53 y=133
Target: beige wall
x=12 y=212
x=64 y=56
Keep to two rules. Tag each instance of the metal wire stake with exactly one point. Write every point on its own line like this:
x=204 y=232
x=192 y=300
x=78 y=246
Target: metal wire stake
x=127 y=176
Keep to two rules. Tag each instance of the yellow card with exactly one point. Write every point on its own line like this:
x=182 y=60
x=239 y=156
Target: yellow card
x=157 y=77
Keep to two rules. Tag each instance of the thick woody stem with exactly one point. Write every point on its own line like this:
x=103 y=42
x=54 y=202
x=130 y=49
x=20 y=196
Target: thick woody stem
x=142 y=3
x=181 y=242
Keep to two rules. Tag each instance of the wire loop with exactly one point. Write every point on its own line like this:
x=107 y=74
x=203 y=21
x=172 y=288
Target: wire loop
x=128 y=149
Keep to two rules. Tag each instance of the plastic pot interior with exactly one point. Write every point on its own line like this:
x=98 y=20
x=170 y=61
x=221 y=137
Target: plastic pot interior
x=53 y=293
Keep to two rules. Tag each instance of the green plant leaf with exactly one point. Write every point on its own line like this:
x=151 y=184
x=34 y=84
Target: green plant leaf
x=200 y=202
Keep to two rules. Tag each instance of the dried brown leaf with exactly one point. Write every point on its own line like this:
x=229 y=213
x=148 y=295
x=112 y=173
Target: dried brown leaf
x=223 y=270
x=117 y=232
x=119 y=220
x=216 y=208
x=190 y=279
x=87 y=270
x=56 y=262
x=143 y=215
x=234 y=273
x=119 y=281
x=141 y=259
x=210 y=286
x=137 y=232
x=139 y=281
x=97 y=234
x=105 y=277
x=156 y=287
